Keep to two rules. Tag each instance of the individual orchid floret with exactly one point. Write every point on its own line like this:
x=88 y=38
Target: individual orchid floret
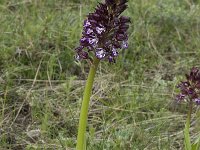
x=104 y=32
x=190 y=89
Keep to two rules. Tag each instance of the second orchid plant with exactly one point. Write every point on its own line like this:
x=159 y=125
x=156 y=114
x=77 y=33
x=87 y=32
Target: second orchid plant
x=190 y=93
x=104 y=35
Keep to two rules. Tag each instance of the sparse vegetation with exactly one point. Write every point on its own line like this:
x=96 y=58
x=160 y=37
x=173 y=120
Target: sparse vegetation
x=132 y=105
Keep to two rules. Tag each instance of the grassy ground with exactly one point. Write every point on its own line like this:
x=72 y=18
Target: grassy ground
x=132 y=104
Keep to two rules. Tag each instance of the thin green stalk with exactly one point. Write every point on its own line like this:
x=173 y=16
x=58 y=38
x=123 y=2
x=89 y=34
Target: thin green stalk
x=85 y=105
x=187 y=128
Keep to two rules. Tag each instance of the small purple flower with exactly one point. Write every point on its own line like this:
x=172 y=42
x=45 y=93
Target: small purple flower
x=114 y=52
x=180 y=97
x=100 y=30
x=197 y=101
x=86 y=24
x=93 y=41
x=77 y=57
x=89 y=31
x=100 y=53
x=105 y=31
x=124 y=45
x=111 y=59
x=190 y=89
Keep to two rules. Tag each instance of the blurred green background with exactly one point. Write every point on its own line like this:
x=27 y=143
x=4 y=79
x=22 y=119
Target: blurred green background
x=132 y=105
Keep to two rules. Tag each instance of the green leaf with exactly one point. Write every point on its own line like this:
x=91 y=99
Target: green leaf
x=196 y=144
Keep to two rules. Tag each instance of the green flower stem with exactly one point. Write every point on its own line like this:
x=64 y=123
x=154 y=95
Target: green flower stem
x=187 y=128
x=85 y=105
